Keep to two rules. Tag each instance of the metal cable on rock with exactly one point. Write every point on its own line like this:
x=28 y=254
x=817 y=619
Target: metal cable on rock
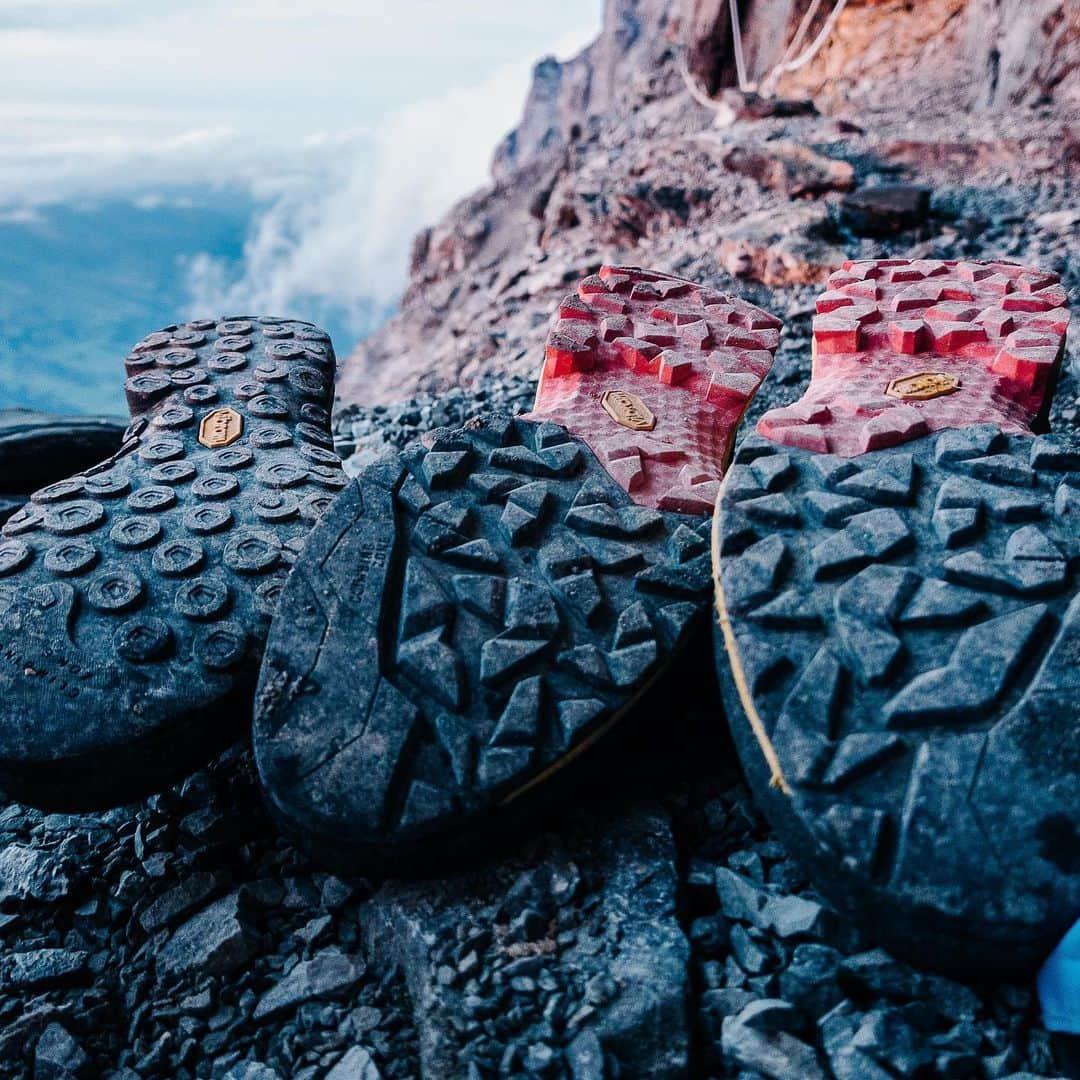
x=786 y=65
x=736 y=41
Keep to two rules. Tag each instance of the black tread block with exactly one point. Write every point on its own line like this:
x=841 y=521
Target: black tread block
x=465 y=617
x=37 y=449
x=135 y=596
x=911 y=643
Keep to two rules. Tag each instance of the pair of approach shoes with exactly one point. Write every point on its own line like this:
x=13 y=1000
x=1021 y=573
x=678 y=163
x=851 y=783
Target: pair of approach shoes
x=469 y=614
x=898 y=621
x=894 y=559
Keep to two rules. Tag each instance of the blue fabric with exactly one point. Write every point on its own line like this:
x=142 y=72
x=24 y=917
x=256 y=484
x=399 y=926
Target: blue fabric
x=1059 y=985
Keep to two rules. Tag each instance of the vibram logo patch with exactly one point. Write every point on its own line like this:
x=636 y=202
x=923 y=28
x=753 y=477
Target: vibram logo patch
x=222 y=427
x=922 y=385
x=628 y=409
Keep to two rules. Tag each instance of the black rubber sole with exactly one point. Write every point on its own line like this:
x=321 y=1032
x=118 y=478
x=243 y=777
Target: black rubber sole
x=904 y=626
x=37 y=449
x=135 y=596
x=466 y=619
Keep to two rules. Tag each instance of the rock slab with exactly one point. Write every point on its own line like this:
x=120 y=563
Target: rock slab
x=570 y=954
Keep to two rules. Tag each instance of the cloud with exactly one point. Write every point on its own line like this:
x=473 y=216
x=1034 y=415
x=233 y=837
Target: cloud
x=21 y=215
x=21 y=14
x=347 y=243
x=285 y=59
x=351 y=124
x=300 y=252
x=239 y=91
x=51 y=155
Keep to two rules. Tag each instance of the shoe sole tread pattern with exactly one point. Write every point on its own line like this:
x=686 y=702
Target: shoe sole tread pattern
x=466 y=617
x=37 y=449
x=997 y=330
x=693 y=357
x=905 y=625
x=135 y=596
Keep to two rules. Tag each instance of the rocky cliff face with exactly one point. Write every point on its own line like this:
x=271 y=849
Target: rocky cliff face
x=638 y=150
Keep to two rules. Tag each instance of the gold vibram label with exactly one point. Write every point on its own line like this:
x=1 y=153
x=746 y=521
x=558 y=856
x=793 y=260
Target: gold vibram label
x=222 y=427
x=922 y=385
x=628 y=409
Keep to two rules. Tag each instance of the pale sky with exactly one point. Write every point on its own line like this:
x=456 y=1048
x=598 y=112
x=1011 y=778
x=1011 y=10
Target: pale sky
x=95 y=92
x=353 y=123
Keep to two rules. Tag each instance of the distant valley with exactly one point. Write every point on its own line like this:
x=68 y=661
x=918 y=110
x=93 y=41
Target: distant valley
x=80 y=284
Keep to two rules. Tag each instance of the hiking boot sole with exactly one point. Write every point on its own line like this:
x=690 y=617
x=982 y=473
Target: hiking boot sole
x=898 y=621
x=480 y=608
x=135 y=596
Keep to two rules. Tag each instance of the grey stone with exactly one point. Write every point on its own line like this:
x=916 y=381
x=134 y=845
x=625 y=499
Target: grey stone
x=884 y=208
x=335 y=893
x=749 y=954
x=539 y=1057
x=1030 y=1076
x=28 y=873
x=795 y=917
x=362 y=1019
x=585 y=1057
x=178 y=901
x=740 y=899
x=879 y=973
x=748 y=863
x=884 y=1035
x=770 y=1015
x=197 y=1004
x=529 y=925
x=810 y=982
x=627 y=971
x=251 y=1070
x=774 y=1054
x=357 y=1064
x=58 y=1056
x=949 y=997
x=40 y=968
x=837 y=1030
x=216 y=940
x=328 y=974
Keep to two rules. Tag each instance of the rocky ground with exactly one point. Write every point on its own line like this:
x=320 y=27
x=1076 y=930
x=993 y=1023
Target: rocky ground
x=642 y=924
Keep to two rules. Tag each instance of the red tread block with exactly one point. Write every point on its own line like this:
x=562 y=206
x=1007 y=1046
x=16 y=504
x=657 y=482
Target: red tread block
x=905 y=348
x=691 y=357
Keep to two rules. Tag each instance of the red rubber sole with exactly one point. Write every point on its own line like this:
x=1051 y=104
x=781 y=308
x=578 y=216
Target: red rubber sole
x=905 y=348
x=654 y=373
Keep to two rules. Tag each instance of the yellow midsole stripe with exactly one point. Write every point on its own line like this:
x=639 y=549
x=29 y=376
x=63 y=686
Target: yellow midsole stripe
x=776 y=779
